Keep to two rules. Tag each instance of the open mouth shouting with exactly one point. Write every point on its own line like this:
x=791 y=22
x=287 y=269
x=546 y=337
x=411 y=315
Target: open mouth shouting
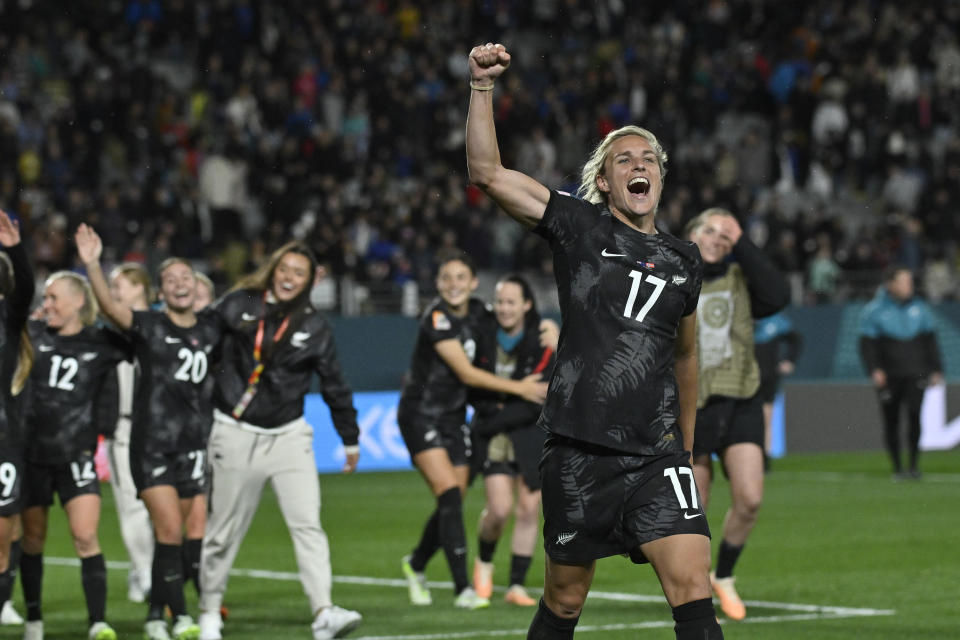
x=639 y=186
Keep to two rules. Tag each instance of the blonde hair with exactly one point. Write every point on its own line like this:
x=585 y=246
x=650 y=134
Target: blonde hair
x=701 y=219
x=89 y=310
x=205 y=279
x=593 y=168
x=169 y=262
x=135 y=273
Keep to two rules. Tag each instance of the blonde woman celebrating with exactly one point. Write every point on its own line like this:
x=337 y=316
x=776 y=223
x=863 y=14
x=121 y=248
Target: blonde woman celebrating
x=72 y=357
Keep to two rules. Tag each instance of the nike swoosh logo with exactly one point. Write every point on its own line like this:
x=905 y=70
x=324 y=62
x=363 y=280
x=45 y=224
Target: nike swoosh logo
x=687 y=516
x=45 y=347
x=247 y=317
x=83 y=484
x=170 y=340
x=605 y=254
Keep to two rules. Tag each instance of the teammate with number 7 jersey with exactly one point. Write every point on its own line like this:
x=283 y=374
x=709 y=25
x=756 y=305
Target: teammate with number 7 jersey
x=172 y=412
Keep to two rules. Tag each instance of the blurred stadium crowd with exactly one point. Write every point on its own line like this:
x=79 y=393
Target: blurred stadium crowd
x=216 y=129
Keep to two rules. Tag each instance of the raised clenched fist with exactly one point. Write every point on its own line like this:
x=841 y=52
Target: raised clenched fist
x=488 y=61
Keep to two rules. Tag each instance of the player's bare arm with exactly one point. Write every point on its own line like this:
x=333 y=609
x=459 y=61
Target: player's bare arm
x=89 y=249
x=522 y=197
x=530 y=388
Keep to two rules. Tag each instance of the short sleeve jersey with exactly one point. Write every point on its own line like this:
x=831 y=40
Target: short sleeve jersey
x=432 y=392
x=172 y=408
x=65 y=380
x=622 y=294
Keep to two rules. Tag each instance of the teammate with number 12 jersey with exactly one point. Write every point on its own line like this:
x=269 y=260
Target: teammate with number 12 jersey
x=72 y=358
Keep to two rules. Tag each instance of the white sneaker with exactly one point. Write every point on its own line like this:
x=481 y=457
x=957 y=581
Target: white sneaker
x=135 y=589
x=468 y=599
x=155 y=630
x=334 y=622
x=184 y=628
x=101 y=631
x=416 y=584
x=9 y=615
x=210 y=625
x=33 y=630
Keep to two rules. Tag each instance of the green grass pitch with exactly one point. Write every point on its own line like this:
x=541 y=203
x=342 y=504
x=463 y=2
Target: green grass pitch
x=840 y=552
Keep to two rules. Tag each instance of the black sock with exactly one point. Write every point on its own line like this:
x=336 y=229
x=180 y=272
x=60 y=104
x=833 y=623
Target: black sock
x=453 y=536
x=486 y=549
x=31 y=579
x=547 y=625
x=726 y=558
x=167 y=581
x=15 y=550
x=191 y=561
x=93 y=575
x=429 y=543
x=697 y=620
x=157 y=591
x=6 y=586
x=518 y=569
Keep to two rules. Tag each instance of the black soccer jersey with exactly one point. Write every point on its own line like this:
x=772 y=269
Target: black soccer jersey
x=305 y=348
x=622 y=295
x=65 y=381
x=172 y=408
x=433 y=392
x=13 y=315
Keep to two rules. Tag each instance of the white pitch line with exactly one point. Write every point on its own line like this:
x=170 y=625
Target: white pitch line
x=805 y=611
x=632 y=626
x=847 y=476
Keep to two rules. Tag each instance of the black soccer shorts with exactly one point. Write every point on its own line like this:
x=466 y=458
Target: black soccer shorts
x=726 y=421
x=598 y=502
x=420 y=435
x=186 y=471
x=67 y=479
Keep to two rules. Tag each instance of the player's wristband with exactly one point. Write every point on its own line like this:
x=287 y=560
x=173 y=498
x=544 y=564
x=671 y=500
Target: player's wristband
x=351 y=449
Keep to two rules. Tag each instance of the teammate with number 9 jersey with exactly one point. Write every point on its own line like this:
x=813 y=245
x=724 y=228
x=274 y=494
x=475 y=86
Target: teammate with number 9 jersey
x=16 y=293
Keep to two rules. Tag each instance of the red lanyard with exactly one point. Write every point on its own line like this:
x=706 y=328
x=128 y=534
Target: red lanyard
x=254 y=378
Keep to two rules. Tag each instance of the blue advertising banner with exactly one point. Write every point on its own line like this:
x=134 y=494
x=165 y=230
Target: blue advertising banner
x=381 y=447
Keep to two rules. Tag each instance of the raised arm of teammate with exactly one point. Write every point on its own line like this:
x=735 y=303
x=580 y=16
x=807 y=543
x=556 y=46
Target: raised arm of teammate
x=89 y=248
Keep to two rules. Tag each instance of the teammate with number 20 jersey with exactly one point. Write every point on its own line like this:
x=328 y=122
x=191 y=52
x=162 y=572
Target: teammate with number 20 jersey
x=167 y=449
x=172 y=410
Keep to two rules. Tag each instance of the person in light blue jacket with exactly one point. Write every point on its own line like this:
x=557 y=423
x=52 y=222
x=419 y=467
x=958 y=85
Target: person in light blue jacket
x=899 y=350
